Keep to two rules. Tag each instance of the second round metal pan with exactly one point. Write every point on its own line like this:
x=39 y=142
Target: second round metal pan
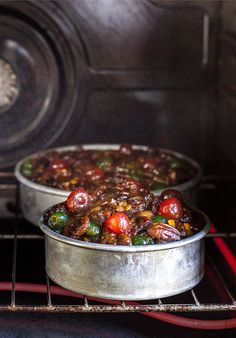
x=35 y=198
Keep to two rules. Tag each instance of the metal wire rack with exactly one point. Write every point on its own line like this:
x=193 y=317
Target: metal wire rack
x=194 y=303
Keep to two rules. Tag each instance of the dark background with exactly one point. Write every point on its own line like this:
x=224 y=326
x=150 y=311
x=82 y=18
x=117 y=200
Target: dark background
x=151 y=72
x=147 y=72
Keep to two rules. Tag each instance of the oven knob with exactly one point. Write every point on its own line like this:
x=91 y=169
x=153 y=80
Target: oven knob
x=9 y=85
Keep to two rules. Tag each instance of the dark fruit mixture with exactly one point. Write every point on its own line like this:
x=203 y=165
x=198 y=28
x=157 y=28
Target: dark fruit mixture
x=125 y=213
x=88 y=169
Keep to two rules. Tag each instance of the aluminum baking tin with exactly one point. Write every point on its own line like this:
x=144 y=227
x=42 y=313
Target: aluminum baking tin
x=125 y=272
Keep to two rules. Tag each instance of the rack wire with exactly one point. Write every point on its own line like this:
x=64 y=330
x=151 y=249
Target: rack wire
x=91 y=305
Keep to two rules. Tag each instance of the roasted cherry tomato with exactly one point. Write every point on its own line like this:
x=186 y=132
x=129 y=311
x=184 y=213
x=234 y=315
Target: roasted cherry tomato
x=118 y=223
x=95 y=174
x=78 y=199
x=57 y=221
x=168 y=193
x=93 y=229
x=159 y=219
x=58 y=164
x=171 y=208
x=27 y=168
x=142 y=240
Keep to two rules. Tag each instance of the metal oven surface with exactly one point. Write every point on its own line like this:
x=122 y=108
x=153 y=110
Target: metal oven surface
x=25 y=287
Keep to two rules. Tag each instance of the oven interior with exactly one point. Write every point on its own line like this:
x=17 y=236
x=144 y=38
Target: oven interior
x=152 y=72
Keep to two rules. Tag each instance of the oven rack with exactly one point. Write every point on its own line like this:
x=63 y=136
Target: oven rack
x=92 y=305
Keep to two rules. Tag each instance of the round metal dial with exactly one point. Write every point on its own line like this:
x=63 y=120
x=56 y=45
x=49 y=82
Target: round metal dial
x=9 y=85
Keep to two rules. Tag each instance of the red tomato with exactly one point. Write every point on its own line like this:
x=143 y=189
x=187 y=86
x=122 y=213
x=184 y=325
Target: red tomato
x=58 y=167
x=168 y=193
x=171 y=208
x=57 y=164
x=95 y=174
x=78 y=199
x=117 y=223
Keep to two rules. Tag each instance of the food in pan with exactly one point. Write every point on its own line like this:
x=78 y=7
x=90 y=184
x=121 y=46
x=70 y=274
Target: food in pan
x=90 y=168
x=124 y=214
x=125 y=271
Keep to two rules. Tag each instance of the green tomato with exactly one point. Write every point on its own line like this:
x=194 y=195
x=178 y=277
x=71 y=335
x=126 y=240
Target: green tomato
x=136 y=176
x=142 y=240
x=158 y=186
x=27 y=168
x=159 y=218
x=104 y=162
x=57 y=221
x=93 y=229
x=175 y=163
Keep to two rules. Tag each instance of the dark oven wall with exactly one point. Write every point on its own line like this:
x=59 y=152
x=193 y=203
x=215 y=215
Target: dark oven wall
x=226 y=115
x=130 y=71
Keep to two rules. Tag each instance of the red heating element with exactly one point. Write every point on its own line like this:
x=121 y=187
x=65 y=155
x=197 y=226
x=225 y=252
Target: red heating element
x=225 y=250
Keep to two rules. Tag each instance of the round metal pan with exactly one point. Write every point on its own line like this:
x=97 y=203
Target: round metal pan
x=34 y=198
x=125 y=272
